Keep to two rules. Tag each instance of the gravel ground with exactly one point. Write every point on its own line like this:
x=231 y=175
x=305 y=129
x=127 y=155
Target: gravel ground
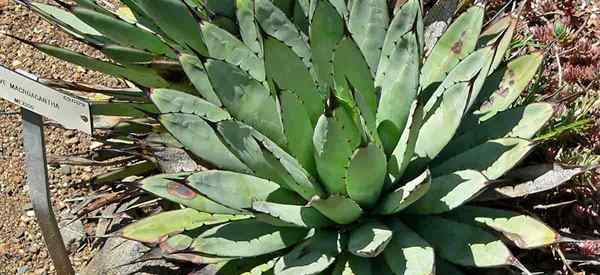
x=22 y=249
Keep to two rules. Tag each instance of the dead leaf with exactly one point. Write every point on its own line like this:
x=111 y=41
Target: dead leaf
x=534 y=179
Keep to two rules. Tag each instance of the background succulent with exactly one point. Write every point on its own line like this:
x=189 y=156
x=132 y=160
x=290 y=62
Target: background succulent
x=335 y=144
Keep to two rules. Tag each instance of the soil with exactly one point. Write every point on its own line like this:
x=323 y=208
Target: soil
x=22 y=249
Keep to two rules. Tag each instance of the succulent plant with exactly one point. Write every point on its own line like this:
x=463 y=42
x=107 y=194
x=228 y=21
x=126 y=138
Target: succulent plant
x=332 y=144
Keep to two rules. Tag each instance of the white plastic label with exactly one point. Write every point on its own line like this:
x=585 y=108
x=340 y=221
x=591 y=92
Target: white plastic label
x=67 y=110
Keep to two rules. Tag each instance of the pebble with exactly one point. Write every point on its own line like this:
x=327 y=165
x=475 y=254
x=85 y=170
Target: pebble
x=72 y=141
x=30 y=213
x=23 y=270
x=20 y=233
x=65 y=170
x=27 y=206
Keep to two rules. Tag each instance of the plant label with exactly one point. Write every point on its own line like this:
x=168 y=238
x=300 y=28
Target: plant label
x=67 y=110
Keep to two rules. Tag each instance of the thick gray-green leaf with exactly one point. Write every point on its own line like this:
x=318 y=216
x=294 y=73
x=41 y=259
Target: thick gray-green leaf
x=441 y=126
x=171 y=101
x=407 y=253
x=126 y=55
x=188 y=129
x=66 y=20
x=366 y=174
x=405 y=149
x=444 y=267
x=170 y=187
x=457 y=42
x=368 y=23
x=403 y=22
x=349 y=65
x=282 y=63
x=493 y=158
x=354 y=265
x=225 y=46
x=326 y=30
x=246 y=99
x=276 y=24
x=406 y=195
x=524 y=231
x=369 y=239
x=449 y=191
x=520 y=122
x=185 y=30
x=339 y=209
x=340 y=7
x=244 y=266
x=335 y=139
x=122 y=109
x=123 y=32
x=399 y=88
x=153 y=228
x=299 y=180
x=505 y=85
x=265 y=159
x=501 y=33
x=247 y=238
x=138 y=74
x=298 y=129
x=462 y=244
x=248 y=27
x=220 y=7
x=312 y=256
x=195 y=71
x=472 y=69
x=239 y=191
x=298 y=215
x=301 y=13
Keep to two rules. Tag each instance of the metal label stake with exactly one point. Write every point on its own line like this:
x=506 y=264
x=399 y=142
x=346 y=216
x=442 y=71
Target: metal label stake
x=37 y=100
x=37 y=179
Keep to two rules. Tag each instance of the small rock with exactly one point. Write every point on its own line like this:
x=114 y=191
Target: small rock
x=94 y=144
x=72 y=141
x=30 y=213
x=23 y=270
x=72 y=233
x=26 y=207
x=65 y=170
x=34 y=249
x=20 y=232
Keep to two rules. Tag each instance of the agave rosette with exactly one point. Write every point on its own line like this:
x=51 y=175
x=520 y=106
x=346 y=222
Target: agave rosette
x=334 y=145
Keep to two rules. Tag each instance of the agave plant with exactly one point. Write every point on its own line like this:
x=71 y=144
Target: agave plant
x=333 y=144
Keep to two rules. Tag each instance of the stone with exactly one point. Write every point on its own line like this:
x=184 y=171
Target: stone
x=23 y=270
x=72 y=141
x=27 y=206
x=65 y=169
x=120 y=256
x=30 y=213
x=68 y=133
x=72 y=233
x=174 y=160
